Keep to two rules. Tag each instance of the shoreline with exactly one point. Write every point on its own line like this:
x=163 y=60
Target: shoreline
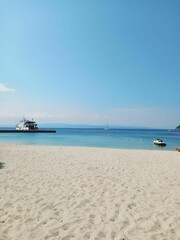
x=118 y=139
x=158 y=148
x=63 y=192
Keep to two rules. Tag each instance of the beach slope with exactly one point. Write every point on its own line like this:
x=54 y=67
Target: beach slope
x=79 y=193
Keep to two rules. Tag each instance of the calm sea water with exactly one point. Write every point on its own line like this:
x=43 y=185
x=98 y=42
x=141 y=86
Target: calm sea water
x=112 y=138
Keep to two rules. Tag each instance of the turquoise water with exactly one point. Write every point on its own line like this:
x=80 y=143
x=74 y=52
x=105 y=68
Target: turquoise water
x=113 y=138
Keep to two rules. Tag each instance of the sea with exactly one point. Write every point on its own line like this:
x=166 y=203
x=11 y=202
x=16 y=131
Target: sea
x=97 y=137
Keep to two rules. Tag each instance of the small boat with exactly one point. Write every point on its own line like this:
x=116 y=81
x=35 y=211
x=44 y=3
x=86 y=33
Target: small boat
x=159 y=142
x=107 y=127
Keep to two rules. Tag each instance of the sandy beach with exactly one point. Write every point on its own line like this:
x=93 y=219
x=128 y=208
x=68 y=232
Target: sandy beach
x=79 y=193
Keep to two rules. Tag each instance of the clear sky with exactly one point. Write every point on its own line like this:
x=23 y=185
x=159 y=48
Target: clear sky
x=86 y=62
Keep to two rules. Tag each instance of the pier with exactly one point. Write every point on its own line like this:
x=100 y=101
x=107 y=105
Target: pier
x=27 y=131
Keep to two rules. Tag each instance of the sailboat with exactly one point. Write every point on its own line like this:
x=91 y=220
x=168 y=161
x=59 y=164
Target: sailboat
x=107 y=127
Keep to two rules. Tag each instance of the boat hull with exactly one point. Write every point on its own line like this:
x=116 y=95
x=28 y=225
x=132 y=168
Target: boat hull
x=160 y=144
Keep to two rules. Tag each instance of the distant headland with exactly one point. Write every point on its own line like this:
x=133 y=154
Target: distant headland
x=178 y=127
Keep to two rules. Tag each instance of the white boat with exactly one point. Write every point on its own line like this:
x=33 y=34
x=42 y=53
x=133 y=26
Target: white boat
x=27 y=125
x=159 y=142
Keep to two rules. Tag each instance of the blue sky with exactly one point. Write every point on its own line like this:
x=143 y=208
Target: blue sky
x=87 y=62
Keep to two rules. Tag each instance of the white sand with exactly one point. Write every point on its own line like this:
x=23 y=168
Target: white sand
x=89 y=193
